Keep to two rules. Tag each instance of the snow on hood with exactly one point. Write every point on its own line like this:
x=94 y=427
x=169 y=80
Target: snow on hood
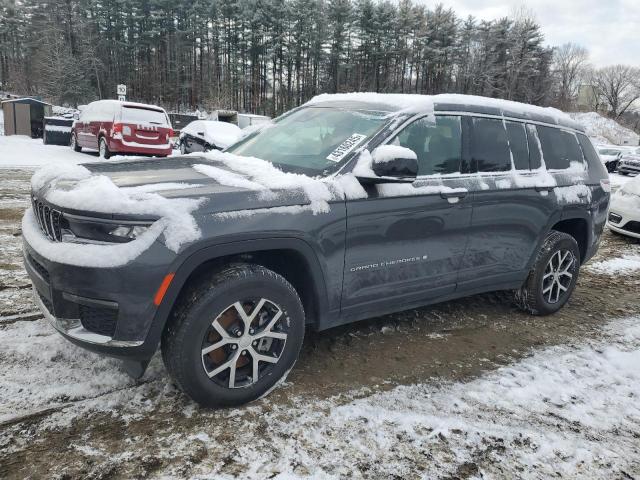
x=75 y=187
x=256 y=174
x=220 y=134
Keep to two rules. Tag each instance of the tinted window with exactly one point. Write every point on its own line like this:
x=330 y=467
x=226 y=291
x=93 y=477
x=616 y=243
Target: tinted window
x=489 y=145
x=535 y=152
x=593 y=159
x=518 y=144
x=438 y=146
x=559 y=148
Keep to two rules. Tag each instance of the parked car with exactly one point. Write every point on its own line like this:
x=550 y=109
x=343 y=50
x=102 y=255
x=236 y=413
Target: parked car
x=205 y=135
x=629 y=163
x=624 y=213
x=610 y=157
x=114 y=127
x=358 y=205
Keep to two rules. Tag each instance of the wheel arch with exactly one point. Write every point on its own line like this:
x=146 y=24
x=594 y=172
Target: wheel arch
x=294 y=259
x=578 y=228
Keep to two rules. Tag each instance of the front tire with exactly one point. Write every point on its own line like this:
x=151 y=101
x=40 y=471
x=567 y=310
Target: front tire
x=234 y=336
x=104 y=149
x=553 y=277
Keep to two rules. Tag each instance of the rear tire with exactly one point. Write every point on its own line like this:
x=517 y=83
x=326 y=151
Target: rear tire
x=74 y=143
x=104 y=149
x=553 y=277
x=220 y=356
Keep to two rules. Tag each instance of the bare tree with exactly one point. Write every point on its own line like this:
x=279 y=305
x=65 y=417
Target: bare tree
x=569 y=65
x=619 y=87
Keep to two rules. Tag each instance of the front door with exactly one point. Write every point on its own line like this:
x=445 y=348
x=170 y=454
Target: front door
x=405 y=241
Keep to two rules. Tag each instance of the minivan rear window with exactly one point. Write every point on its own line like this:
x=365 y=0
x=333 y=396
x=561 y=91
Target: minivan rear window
x=559 y=148
x=143 y=115
x=489 y=145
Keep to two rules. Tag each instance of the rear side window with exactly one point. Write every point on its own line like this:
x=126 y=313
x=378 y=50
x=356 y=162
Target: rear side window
x=490 y=146
x=438 y=146
x=518 y=144
x=589 y=152
x=559 y=148
x=143 y=115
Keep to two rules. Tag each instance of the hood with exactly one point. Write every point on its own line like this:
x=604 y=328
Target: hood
x=175 y=177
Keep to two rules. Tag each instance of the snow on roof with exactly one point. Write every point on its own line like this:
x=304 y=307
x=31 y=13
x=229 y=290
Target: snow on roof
x=130 y=104
x=25 y=99
x=414 y=103
x=220 y=134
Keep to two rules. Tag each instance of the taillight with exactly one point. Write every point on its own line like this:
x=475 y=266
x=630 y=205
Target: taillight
x=606 y=185
x=117 y=128
x=170 y=134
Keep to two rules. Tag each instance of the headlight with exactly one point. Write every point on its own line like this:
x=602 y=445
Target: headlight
x=80 y=229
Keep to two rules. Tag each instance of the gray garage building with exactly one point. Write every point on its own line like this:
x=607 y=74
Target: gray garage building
x=25 y=116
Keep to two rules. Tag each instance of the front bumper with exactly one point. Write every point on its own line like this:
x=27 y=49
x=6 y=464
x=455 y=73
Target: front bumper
x=105 y=310
x=624 y=220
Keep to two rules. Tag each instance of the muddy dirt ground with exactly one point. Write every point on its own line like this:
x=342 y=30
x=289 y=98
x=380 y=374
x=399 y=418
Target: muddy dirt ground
x=137 y=429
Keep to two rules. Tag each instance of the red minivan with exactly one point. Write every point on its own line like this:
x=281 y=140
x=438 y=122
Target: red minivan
x=114 y=127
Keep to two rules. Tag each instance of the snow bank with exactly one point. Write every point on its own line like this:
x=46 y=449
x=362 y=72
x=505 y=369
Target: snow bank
x=74 y=187
x=23 y=151
x=605 y=130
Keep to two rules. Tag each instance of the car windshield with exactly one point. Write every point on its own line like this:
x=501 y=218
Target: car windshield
x=606 y=151
x=312 y=140
x=143 y=115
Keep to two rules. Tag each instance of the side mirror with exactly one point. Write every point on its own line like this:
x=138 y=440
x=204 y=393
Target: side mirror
x=395 y=162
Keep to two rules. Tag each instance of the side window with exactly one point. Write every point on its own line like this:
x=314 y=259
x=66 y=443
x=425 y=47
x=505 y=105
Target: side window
x=559 y=148
x=518 y=144
x=438 y=146
x=535 y=154
x=489 y=145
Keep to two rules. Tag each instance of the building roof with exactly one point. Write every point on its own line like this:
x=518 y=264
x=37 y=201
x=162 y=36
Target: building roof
x=25 y=100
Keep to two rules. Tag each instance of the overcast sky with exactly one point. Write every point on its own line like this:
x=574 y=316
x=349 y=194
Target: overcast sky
x=609 y=29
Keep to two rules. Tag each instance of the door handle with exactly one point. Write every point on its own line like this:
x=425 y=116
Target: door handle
x=454 y=194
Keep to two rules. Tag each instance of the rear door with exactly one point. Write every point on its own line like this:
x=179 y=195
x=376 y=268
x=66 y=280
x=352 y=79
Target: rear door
x=512 y=203
x=405 y=241
x=144 y=126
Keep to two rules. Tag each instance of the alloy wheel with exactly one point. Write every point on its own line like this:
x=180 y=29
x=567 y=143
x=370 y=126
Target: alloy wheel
x=244 y=342
x=557 y=276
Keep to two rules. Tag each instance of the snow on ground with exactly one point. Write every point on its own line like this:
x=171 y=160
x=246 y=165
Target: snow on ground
x=22 y=151
x=568 y=411
x=616 y=266
x=618 y=180
x=605 y=130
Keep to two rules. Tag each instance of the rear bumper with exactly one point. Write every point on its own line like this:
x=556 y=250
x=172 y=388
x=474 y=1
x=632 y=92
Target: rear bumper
x=105 y=310
x=117 y=145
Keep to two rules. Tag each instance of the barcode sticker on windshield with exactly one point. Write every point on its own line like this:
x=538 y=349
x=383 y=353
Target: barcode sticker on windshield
x=345 y=147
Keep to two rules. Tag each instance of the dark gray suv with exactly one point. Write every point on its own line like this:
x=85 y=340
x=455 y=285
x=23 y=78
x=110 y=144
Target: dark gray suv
x=349 y=207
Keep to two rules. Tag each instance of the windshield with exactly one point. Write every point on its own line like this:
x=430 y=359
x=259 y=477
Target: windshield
x=608 y=152
x=312 y=140
x=143 y=115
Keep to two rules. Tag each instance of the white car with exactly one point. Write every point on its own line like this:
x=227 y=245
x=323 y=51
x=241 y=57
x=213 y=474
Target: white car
x=629 y=163
x=205 y=135
x=624 y=211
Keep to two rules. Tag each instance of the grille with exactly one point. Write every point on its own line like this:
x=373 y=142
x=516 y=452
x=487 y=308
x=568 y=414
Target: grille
x=632 y=226
x=615 y=218
x=39 y=268
x=48 y=219
x=99 y=320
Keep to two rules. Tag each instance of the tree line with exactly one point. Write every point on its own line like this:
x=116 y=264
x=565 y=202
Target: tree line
x=267 y=56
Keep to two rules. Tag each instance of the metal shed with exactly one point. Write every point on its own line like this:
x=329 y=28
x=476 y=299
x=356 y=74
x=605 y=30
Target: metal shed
x=25 y=116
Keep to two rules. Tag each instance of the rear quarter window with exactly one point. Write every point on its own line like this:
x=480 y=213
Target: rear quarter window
x=559 y=148
x=593 y=159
